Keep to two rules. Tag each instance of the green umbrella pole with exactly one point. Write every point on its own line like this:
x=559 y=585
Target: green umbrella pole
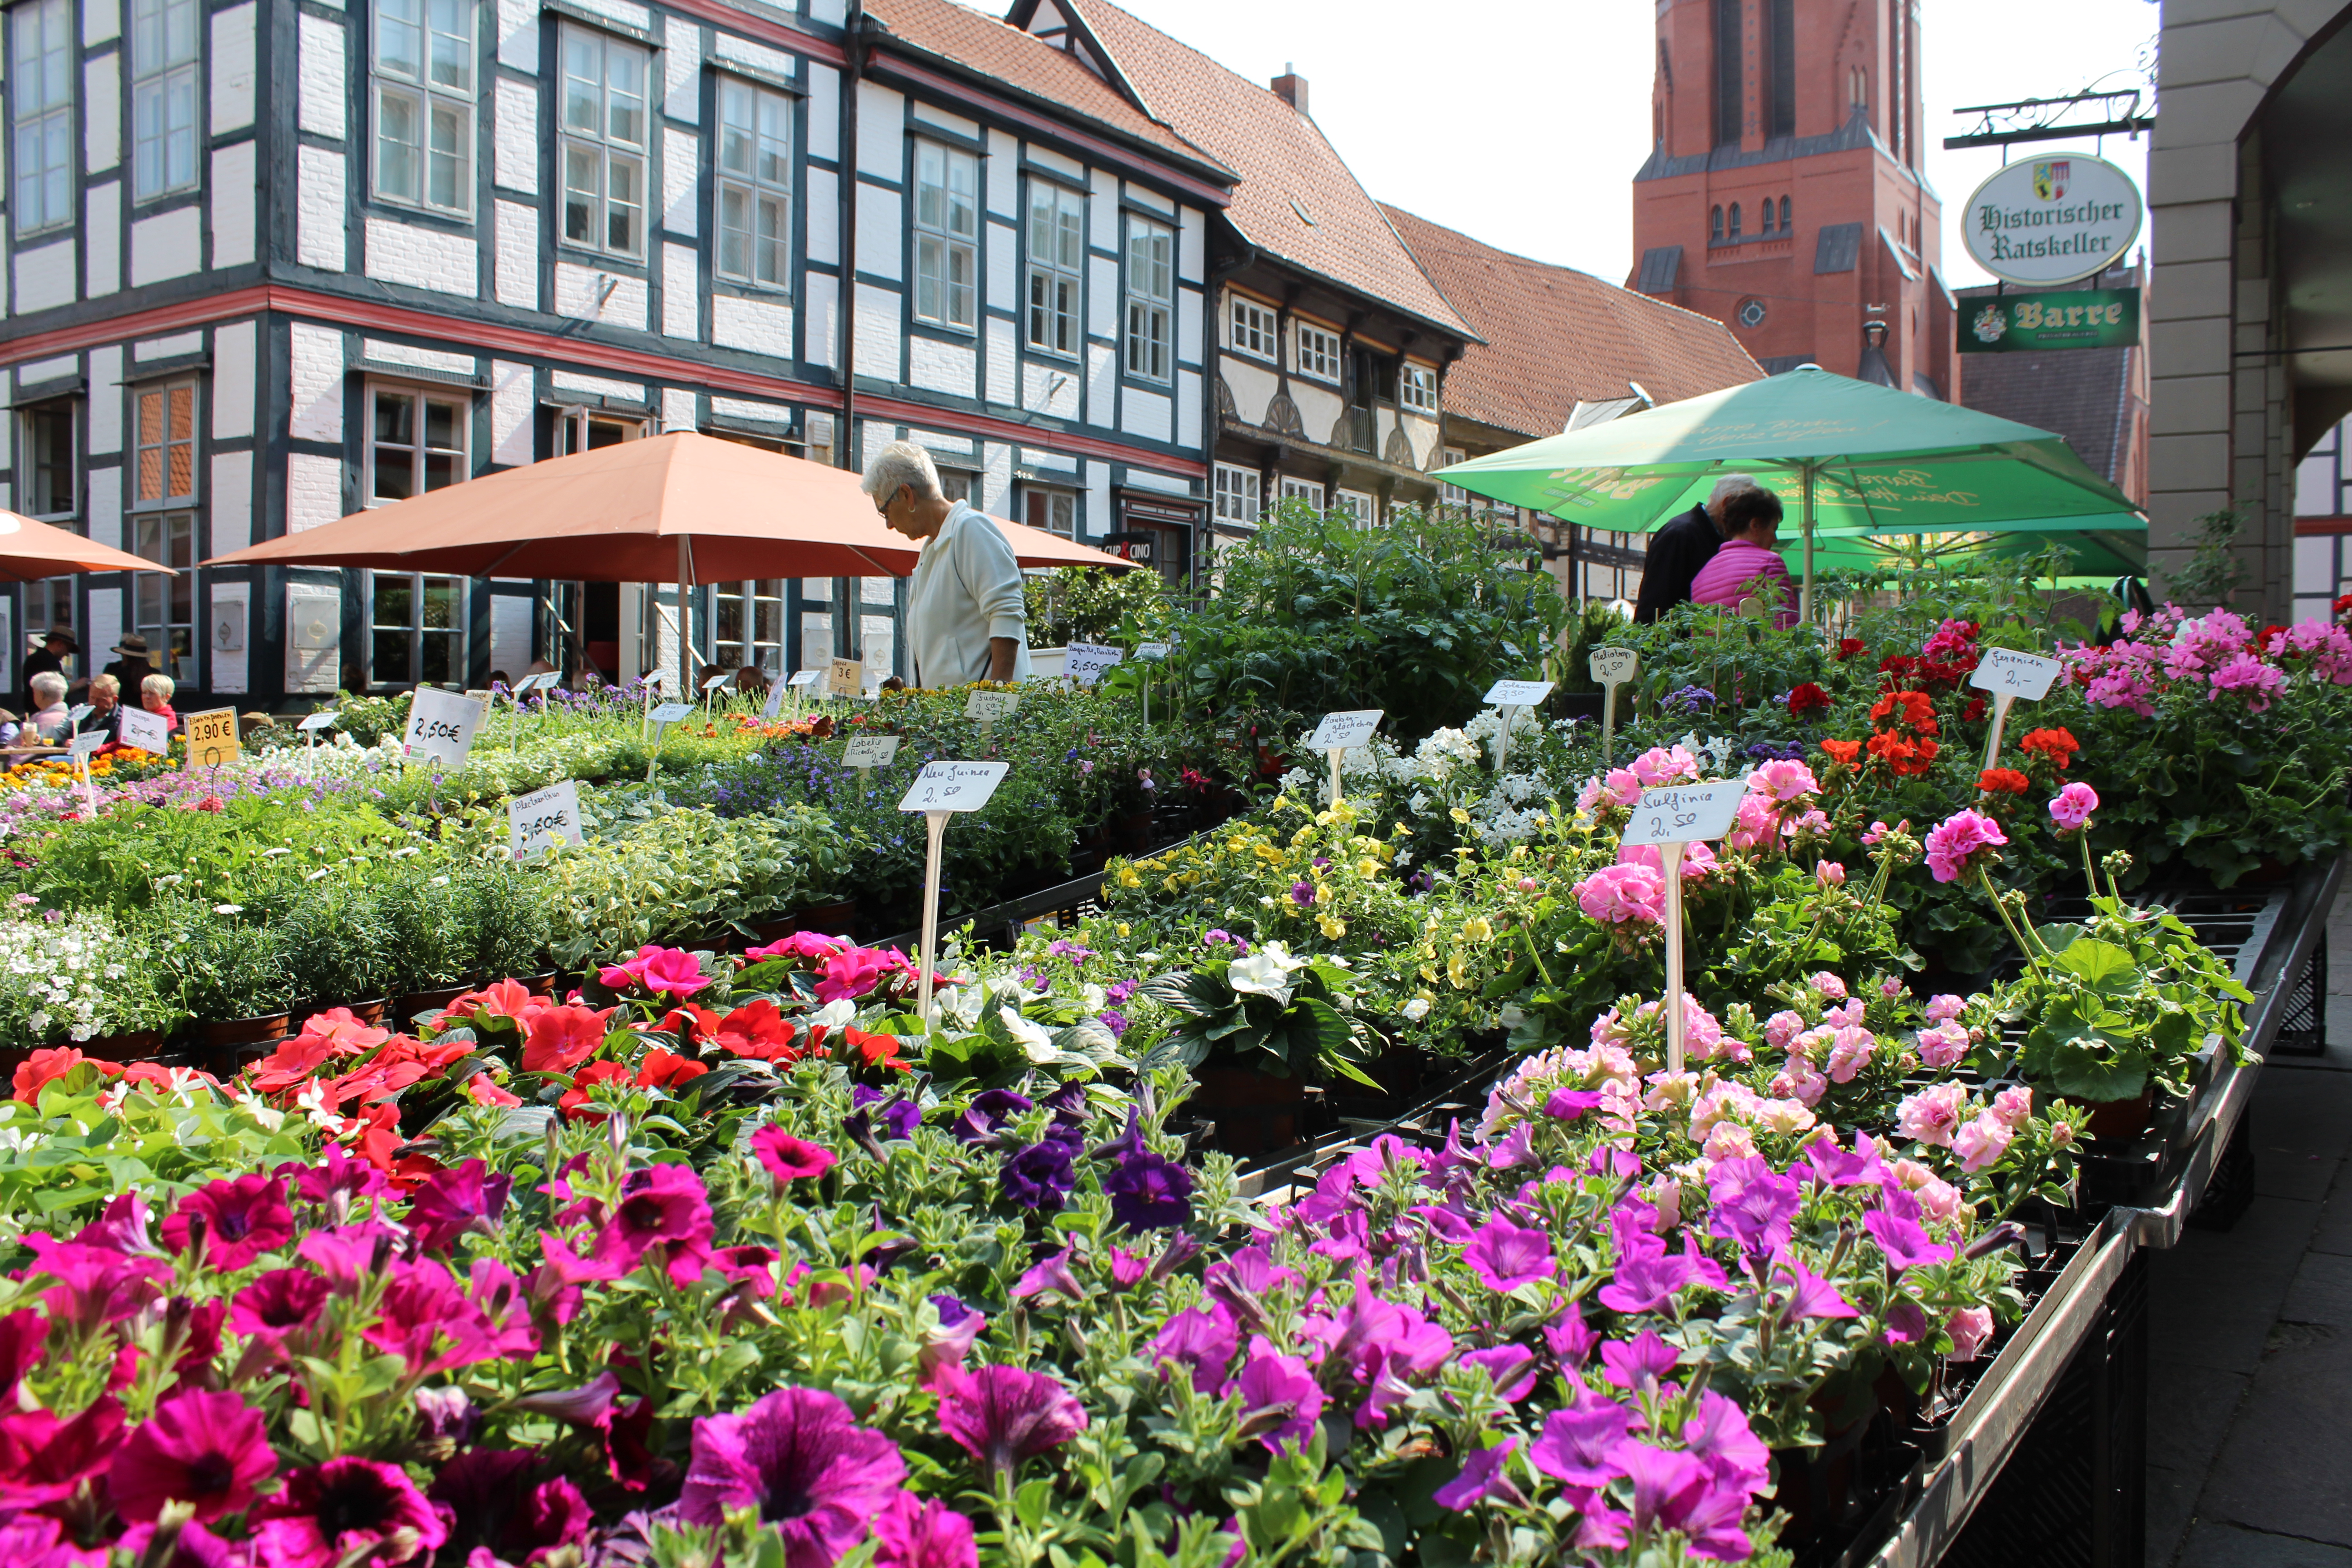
x=1805 y=599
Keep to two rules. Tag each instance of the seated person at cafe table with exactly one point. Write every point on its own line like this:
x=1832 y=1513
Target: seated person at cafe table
x=105 y=715
x=49 y=720
x=156 y=696
x=1748 y=564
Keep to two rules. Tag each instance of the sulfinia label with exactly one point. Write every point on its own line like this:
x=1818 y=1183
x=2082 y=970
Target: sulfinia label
x=1684 y=814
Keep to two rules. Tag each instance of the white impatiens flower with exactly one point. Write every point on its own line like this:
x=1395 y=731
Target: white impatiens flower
x=1036 y=1042
x=1267 y=971
x=835 y=1014
x=1416 y=1010
x=1094 y=997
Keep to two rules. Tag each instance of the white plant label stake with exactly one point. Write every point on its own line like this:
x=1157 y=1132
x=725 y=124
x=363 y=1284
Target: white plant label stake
x=2010 y=675
x=988 y=707
x=1342 y=732
x=867 y=752
x=80 y=747
x=441 y=725
x=775 y=702
x=324 y=719
x=1612 y=667
x=662 y=717
x=1673 y=817
x=545 y=816
x=1085 y=662
x=1150 y=653
x=938 y=791
x=710 y=687
x=1509 y=697
x=146 y=731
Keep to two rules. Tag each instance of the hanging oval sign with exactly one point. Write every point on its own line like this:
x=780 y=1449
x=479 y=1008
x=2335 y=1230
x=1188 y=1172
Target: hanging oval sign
x=2051 y=220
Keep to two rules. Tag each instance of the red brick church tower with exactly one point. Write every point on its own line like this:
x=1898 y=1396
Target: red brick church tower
x=1782 y=193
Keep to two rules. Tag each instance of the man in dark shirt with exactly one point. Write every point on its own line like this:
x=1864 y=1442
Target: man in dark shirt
x=49 y=658
x=1678 y=550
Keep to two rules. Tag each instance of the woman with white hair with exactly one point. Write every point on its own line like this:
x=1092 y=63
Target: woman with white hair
x=49 y=718
x=966 y=619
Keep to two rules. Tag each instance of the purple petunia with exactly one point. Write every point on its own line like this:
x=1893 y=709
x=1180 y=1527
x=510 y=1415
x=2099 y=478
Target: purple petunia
x=798 y=1458
x=1641 y=1364
x=1148 y=1191
x=1201 y=1340
x=1281 y=1401
x=1578 y=1443
x=1511 y=1369
x=1039 y=1176
x=1505 y=1257
x=1003 y=1415
x=1753 y=1205
x=1484 y=1478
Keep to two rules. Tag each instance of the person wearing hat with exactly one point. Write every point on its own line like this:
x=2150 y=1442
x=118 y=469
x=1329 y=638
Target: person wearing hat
x=132 y=668
x=57 y=645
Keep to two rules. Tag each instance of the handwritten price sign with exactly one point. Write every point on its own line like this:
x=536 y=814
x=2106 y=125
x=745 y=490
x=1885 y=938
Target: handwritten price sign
x=804 y=676
x=876 y=751
x=1084 y=662
x=848 y=678
x=2006 y=672
x=1518 y=693
x=1346 y=731
x=324 y=719
x=988 y=707
x=715 y=682
x=83 y=745
x=1152 y=652
x=954 y=786
x=1613 y=666
x=550 y=815
x=212 y=738
x=1684 y=814
x=671 y=712
x=441 y=724
x=145 y=730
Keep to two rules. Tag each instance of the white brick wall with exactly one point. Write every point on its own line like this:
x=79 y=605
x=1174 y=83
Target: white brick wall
x=881 y=237
x=682 y=68
x=822 y=200
x=877 y=329
x=518 y=35
x=1100 y=517
x=881 y=132
x=744 y=408
x=233 y=367
x=759 y=57
x=105 y=487
x=619 y=11
x=1003 y=171
x=942 y=366
x=1102 y=384
x=231 y=501
x=996 y=485
x=168 y=348
x=43 y=370
x=1102 y=299
x=925 y=114
x=169 y=244
x=1046 y=158
x=44 y=276
x=1145 y=414
x=1102 y=213
x=321 y=105
x=233 y=190
x=676 y=409
x=598 y=385
x=422 y=257
x=105 y=401
x=515 y=150
x=314 y=491
x=513 y=395
x=824 y=113
x=820 y=319
x=1000 y=361
x=101 y=85
x=320 y=210
x=233 y=68
x=517 y=263
x=1192 y=245
x=415 y=358
x=102 y=238
x=579 y=289
x=681 y=298
x=1188 y=408
x=317 y=381
x=681 y=168
x=762 y=327
x=1188 y=326
x=1003 y=247
x=1050 y=387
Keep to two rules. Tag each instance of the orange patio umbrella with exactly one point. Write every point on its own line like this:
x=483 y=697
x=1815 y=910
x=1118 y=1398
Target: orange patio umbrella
x=31 y=551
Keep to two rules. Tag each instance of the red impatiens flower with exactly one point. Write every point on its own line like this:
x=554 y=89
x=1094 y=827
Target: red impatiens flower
x=875 y=1050
x=1806 y=698
x=2058 y=745
x=758 y=1030
x=1904 y=759
x=574 y=1102
x=1846 y=751
x=2002 y=781
x=284 y=1069
x=42 y=1067
x=667 y=1069
x=206 y=1449
x=690 y=1023
x=561 y=1038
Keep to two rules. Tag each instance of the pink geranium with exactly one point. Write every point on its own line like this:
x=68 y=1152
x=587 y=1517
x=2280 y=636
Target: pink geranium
x=1697 y=859
x=1666 y=765
x=668 y=970
x=1783 y=781
x=2070 y=809
x=1955 y=842
x=1621 y=895
x=2246 y=673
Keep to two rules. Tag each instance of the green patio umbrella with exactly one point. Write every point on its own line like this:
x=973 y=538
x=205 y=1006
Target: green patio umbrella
x=1841 y=454
x=2112 y=548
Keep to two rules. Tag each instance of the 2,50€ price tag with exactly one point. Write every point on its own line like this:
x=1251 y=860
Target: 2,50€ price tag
x=954 y=786
x=876 y=751
x=1613 y=666
x=1084 y=662
x=1344 y=732
x=441 y=724
x=544 y=817
x=1684 y=814
x=2026 y=675
x=990 y=706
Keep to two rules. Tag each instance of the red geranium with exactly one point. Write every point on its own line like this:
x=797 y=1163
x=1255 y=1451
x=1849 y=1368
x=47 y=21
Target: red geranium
x=561 y=1038
x=1846 y=752
x=1902 y=758
x=1973 y=712
x=2058 y=745
x=1913 y=711
x=2002 y=781
x=1848 y=647
x=1807 y=699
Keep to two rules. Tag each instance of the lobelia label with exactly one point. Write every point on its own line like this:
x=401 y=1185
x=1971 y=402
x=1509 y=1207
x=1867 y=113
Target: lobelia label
x=1345 y=731
x=324 y=719
x=2006 y=670
x=145 y=730
x=1084 y=662
x=441 y=724
x=1684 y=814
x=543 y=681
x=990 y=706
x=1613 y=666
x=846 y=679
x=870 y=751
x=545 y=816
x=211 y=737
x=1518 y=693
x=954 y=786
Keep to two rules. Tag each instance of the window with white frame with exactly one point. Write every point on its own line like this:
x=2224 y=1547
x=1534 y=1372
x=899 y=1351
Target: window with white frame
x=41 y=65
x=163 y=609
x=1237 y=493
x=591 y=430
x=1319 y=354
x=1254 y=332
x=755 y=184
x=416 y=441
x=1452 y=494
x=1307 y=490
x=46 y=489
x=164 y=444
x=604 y=142
x=162 y=518
x=1056 y=511
x=1357 y=504
x=1057 y=259
x=423 y=88
x=1417 y=388
x=956 y=484
x=946 y=233
x=163 y=97
x=1151 y=297
x=748 y=625
x=416 y=627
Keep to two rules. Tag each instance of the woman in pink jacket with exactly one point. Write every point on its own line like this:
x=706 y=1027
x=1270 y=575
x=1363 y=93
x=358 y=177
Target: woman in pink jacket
x=1749 y=564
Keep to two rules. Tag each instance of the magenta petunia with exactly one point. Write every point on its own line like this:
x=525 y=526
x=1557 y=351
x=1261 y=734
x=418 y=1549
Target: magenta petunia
x=797 y=1456
x=1281 y=1401
x=1201 y=1340
x=1003 y=1415
x=209 y=1450
x=279 y=1302
x=240 y=1219
x=1577 y=1444
x=345 y=1511
x=1641 y=1364
x=1505 y=1256
x=1511 y=1369
x=920 y=1532
x=665 y=1206
x=787 y=1158
x=1484 y=1478
x=449 y=1203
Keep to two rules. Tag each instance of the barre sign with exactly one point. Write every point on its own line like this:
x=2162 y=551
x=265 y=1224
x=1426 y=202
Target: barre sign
x=2005 y=671
x=954 y=786
x=1344 y=732
x=870 y=751
x=1684 y=814
x=546 y=817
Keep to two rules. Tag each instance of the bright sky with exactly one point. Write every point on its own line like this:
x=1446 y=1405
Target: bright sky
x=1522 y=121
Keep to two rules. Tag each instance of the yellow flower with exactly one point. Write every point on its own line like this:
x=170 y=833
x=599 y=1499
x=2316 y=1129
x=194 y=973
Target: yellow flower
x=1128 y=878
x=1303 y=836
x=1333 y=927
x=1169 y=884
x=1367 y=867
x=1122 y=927
x=1460 y=815
x=1458 y=971
x=1477 y=930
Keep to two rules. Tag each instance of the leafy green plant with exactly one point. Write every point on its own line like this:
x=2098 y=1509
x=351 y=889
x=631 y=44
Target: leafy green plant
x=1091 y=603
x=1273 y=1010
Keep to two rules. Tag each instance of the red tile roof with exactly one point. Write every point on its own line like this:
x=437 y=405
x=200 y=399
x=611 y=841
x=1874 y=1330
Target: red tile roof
x=1296 y=201
x=1027 y=65
x=1554 y=335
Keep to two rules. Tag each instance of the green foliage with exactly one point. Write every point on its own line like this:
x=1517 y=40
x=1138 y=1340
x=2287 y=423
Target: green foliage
x=1094 y=603
x=2215 y=569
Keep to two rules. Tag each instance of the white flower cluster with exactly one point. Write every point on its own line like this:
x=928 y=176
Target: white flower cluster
x=56 y=979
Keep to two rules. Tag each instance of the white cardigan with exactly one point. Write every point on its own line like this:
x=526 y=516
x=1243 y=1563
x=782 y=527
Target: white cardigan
x=966 y=590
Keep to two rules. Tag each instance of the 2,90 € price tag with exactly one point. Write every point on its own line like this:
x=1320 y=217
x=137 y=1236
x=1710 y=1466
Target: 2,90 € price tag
x=1084 y=662
x=1684 y=814
x=441 y=725
x=1613 y=666
x=544 y=817
x=1518 y=693
x=872 y=752
x=954 y=786
x=990 y=706
x=1346 y=731
x=2026 y=675
x=211 y=737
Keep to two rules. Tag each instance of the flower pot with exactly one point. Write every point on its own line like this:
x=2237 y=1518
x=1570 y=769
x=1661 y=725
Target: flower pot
x=543 y=984
x=1254 y=1112
x=135 y=1046
x=838 y=919
x=2121 y=1120
x=765 y=932
x=245 y=1031
x=405 y=1009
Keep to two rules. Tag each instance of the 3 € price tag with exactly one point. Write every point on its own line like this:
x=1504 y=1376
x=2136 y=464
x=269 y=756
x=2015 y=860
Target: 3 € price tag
x=544 y=817
x=954 y=786
x=2026 y=675
x=1518 y=693
x=211 y=737
x=1084 y=662
x=1613 y=666
x=441 y=724
x=988 y=707
x=1346 y=731
x=874 y=751
x=845 y=679
x=324 y=719
x=671 y=712
x=83 y=745
x=146 y=731
x=1684 y=814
